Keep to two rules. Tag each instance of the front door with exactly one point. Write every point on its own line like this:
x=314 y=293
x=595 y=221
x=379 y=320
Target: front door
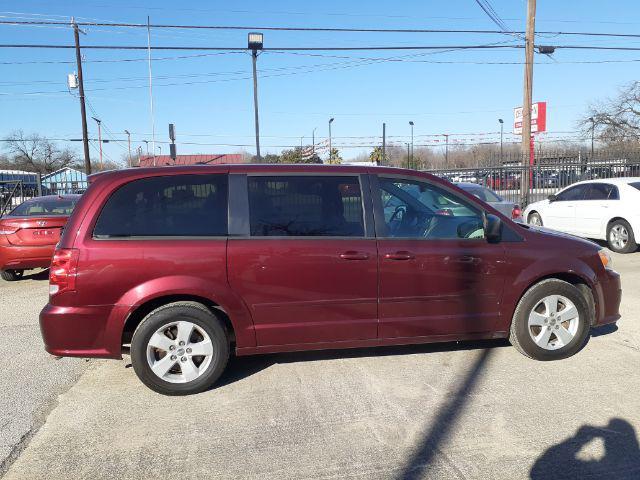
x=438 y=274
x=307 y=269
x=560 y=214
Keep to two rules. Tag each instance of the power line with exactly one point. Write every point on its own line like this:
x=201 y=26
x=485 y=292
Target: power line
x=504 y=28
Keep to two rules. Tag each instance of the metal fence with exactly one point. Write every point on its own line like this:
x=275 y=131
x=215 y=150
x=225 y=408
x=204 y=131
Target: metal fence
x=545 y=178
x=17 y=186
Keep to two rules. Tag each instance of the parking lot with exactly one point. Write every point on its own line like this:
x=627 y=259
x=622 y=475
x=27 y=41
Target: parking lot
x=467 y=410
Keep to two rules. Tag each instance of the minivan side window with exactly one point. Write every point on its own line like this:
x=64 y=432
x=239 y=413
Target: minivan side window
x=602 y=191
x=306 y=206
x=414 y=209
x=169 y=206
x=572 y=193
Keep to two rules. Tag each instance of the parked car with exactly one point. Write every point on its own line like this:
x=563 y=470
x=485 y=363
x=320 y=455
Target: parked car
x=180 y=266
x=29 y=233
x=501 y=181
x=600 y=209
x=507 y=208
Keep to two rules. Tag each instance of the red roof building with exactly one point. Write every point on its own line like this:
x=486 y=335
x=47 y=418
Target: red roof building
x=199 y=159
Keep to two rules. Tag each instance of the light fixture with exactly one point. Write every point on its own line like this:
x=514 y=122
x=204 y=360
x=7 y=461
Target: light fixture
x=255 y=41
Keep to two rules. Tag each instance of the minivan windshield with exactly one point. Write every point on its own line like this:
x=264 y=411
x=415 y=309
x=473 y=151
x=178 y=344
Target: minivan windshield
x=45 y=206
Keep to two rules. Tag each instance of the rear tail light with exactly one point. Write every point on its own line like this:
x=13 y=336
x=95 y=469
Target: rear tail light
x=516 y=212
x=63 y=271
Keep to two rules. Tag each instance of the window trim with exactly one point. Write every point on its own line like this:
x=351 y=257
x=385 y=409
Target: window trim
x=365 y=198
x=382 y=232
x=108 y=238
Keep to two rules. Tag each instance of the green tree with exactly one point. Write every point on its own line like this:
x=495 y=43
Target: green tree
x=335 y=158
x=377 y=156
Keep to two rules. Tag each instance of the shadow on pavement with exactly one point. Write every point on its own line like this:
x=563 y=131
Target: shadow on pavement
x=621 y=459
x=444 y=420
x=243 y=367
x=35 y=275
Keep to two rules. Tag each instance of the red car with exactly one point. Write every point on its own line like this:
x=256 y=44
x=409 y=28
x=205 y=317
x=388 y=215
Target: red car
x=183 y=265
x=29 y=233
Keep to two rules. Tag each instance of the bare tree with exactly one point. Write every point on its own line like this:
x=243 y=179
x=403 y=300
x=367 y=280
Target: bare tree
x=35 y=153
x=616 y=119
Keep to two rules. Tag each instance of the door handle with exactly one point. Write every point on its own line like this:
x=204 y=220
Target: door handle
x=351 y=255
x=399 y=256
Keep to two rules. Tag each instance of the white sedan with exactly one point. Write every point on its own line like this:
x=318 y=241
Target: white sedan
x=606 y=209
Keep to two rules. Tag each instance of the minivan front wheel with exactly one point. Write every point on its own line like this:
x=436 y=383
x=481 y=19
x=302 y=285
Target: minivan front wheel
x=551 y=321
x=180 y=349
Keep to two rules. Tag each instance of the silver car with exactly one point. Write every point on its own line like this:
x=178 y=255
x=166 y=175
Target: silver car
x=510 y=209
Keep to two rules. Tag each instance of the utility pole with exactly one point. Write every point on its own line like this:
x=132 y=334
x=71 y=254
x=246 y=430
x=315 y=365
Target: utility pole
x=153 y=121
x=501 y=132
x=129 y=141
x=255 y=43
x=99 y=122
x=384 y=143
x=83 y=111
x=525 y=149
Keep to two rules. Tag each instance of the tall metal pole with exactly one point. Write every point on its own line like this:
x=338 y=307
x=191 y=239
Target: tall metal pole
x=313 y=141
x=254 y=56
x=83 y=111
x=147 y=143
x=330 y=149
x=129 y=141
x=408 y=146
x=384 y=143
x=446 y=149
x=153 y=121
x=100 y=141
x=501 y=132
x=412 y=162
x=527 y=158
x=593 y=127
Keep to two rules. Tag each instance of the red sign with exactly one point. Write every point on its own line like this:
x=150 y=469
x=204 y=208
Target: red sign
x=538 y=118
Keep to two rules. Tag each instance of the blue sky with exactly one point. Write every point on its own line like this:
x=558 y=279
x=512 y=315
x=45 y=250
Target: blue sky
x=209 y=98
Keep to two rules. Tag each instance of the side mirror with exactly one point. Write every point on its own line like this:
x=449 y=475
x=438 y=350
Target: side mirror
x=492 y=228
x=552 y=198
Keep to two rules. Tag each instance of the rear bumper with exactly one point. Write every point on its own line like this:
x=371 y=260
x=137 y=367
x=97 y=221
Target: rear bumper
x=609 y=291
x=24 y=257
x=78 y=331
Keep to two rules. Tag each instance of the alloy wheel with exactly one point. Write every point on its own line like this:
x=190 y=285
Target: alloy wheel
x=179 y=352
x=619 y=237
x=553 y=322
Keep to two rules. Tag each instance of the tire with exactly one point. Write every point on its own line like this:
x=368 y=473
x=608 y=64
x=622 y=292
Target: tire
x=552 y=343
x=11 y=275
x=620 y=237
x=184 y=373
x=534 y=218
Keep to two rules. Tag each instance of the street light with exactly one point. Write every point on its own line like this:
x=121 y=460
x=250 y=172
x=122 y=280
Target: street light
x=147 y=142
x=446 y=148
x=330 y=122
x=159 y=150
x=501 y=132
x=255 y=43
x=129 y=141
x=411 y=123
x=99 y=122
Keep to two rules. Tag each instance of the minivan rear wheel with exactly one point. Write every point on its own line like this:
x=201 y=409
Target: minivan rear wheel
x=180 y=349
x=551 y=322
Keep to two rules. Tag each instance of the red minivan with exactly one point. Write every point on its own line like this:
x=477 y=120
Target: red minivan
x=184 y=265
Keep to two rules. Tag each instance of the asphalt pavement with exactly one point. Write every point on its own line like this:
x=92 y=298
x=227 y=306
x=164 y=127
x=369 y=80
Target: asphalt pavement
x=458 y=410
x=30 y=378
